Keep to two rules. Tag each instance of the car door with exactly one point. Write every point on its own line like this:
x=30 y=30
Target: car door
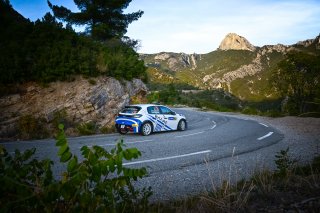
x=154 y=115
x=169 y=118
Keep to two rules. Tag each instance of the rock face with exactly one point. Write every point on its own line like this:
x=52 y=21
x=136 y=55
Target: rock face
x=309 y=42
x=213 y=81
x=98 y=101
x=235 y=42
x=176 y=61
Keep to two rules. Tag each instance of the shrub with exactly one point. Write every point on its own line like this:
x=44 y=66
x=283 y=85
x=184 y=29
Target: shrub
x=284 y=163
x=87 y=128
x=30 y=127
x=99 y=183
x=61 y=117
x=92 y=81
x=250 y=111
x=108 y=129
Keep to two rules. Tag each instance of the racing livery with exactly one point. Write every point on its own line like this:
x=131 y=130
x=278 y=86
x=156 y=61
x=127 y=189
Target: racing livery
x=148 y=118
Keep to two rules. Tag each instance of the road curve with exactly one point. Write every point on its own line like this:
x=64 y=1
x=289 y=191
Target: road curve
x=171 y=158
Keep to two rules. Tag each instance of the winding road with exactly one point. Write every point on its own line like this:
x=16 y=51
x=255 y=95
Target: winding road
x=181 y=163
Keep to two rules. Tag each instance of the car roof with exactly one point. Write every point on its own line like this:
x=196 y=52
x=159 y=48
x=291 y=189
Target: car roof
x=144 y=105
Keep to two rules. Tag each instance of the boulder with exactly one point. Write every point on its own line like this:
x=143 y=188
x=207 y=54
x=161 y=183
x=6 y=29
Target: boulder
x=232 y=41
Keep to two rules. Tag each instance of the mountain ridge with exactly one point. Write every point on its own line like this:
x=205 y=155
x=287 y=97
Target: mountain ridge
x=240 y=68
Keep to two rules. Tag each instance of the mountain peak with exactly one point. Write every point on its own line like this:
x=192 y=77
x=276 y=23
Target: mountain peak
x=232 y=41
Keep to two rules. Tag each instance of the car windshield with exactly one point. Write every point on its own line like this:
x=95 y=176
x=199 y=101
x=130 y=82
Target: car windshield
x=131 y=109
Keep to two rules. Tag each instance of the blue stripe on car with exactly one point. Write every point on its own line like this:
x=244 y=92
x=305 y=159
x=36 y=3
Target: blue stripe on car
x=129 y=122
x=159 y=124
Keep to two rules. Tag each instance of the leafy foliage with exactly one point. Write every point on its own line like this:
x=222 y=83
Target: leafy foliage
x=98 y=183
x=122 y=61
x=297 y=78
x=214 y=99
x=45 y=51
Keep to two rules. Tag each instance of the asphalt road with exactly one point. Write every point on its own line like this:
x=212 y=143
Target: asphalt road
x=181 y=163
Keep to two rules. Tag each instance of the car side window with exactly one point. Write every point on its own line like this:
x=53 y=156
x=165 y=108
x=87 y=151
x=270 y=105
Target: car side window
x=153 y=110
x=166 y=111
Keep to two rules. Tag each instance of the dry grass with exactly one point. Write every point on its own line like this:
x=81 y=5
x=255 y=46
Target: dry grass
x=296 y=191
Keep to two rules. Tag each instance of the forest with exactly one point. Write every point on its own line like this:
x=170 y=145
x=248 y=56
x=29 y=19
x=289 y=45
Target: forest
x=49 y=50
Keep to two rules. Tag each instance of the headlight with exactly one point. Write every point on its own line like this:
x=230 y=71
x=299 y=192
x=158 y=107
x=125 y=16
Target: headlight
x=137 y=116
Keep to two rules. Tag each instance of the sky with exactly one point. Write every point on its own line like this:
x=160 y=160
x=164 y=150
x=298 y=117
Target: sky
x=198 y=26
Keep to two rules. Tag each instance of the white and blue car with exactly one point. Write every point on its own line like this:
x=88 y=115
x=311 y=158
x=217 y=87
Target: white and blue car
x=148 y=118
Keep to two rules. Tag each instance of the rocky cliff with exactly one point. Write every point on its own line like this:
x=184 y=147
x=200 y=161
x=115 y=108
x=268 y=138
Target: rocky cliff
x=310 y=42
x=259 y=63
x=233 y=41
x=172 y=61
x=97 y=100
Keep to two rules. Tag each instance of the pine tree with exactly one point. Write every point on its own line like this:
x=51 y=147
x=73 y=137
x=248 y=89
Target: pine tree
x=104 y=19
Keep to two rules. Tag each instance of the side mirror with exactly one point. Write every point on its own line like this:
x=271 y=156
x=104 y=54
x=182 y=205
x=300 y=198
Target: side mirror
x=173 y=113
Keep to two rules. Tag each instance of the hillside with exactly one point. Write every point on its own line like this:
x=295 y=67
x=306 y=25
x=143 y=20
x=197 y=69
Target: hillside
x=50 y=74
x=236 y=66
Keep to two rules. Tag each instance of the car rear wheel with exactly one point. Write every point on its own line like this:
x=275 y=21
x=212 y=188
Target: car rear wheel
x=182 y=125
x=146 y=129
x=122 y=131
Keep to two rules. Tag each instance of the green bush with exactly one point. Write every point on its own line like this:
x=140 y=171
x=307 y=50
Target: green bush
x=98 y=183
x=250 y=111
x=89 y=128
x=122 y=62
x=153 y=97
x=61 y=117
x=92 y=82
x=284 y=163
x=108 y=129
x=273 y=113
x=30 y=127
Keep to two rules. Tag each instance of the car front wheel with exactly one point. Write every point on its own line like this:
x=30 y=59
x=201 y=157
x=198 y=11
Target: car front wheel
x=146 y=129
x=182 y=125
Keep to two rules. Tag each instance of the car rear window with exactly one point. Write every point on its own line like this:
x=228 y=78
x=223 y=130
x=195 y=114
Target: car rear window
x=131 y=109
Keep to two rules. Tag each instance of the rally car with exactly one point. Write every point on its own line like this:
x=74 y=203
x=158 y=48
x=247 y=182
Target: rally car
x=148 y=118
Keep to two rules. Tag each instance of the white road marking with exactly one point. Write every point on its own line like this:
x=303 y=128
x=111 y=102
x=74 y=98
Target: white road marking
x=167 y=158
x=113 y=144
x=197 y=133
x=214 y=125
x=263 y=137
x=138 y=141
x=264 y=124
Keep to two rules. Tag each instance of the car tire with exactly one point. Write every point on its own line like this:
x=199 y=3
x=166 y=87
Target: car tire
x=146 y=129
x=182 y=125
x=122 y=131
